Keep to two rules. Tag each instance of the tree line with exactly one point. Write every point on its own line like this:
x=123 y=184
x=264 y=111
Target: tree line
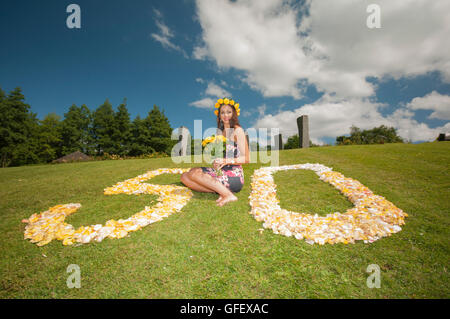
x=24 y=139
x=377 y=135
x=294 y=142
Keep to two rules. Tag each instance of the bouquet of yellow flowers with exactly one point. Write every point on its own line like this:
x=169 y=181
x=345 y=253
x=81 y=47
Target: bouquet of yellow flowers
x=215 y=147
x=214 y=139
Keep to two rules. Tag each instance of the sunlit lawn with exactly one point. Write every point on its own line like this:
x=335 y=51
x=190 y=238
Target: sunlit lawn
x=209 y=252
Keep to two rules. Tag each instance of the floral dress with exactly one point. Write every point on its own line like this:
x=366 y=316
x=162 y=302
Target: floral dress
x=232 y=175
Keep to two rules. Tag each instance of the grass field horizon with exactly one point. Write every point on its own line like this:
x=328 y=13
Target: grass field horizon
x=206 y=251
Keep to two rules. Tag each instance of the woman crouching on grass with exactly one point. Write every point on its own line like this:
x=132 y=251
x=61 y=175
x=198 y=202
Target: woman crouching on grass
x=226 y=176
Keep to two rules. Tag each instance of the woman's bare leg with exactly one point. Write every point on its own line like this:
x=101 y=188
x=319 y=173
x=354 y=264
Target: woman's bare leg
x=193 y=185
x=208 y=182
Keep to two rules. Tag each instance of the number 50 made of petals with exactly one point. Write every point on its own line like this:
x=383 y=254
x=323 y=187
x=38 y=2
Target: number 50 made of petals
x=372 y=217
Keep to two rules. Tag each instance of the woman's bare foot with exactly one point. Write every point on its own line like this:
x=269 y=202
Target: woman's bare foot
x=219 y=199
x=227 y=199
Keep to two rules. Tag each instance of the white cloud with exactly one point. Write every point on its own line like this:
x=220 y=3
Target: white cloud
x=205 y=103
x=407 y=127
x=157 y=13
x=439 y=103
x=216 y=91
x=411 y=41
x=281 y=50
x=199 y=53
x=212 y=93
x=165 y=34
x=330 y=48
x=329 y=118
x=165 y=31
x=251 y=36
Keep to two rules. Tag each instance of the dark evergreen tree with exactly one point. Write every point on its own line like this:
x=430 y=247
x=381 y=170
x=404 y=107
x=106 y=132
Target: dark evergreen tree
x=76 y=131
x=160 y=131
x=2 y=95
x=18 y=130
x=104 y=129
x=50 y=138
x=87 y=141
x=122 y=137
x=24 y=139
x=140 y=138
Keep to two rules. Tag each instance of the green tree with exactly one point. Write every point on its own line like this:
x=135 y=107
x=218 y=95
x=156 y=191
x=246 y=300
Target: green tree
x=122 y=136
x=377 y=135
x=76 y=131
x=356 y=135
x=160 y=130
x=104 y=129
x=18 y=128
x=383 y=134
x=292 y=142
x=50 y=138
x=140 y=138
x=343 y=140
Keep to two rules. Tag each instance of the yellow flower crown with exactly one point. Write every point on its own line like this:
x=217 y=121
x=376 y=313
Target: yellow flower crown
x=226 y=102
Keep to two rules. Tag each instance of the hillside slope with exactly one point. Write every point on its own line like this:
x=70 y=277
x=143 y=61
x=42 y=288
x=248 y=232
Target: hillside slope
x=209 y=252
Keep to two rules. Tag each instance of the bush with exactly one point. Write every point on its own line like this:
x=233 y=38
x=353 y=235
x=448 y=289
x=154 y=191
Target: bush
x=377 y=135
x=294 y=142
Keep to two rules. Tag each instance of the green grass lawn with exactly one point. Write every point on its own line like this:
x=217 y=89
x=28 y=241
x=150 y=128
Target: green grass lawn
x=209 y=252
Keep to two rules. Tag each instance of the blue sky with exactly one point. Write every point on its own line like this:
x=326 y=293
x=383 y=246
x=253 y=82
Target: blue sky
x=278 y=59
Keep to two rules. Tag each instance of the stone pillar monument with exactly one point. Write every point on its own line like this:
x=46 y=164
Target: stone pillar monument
x=278 y=142
x=184 y=139
x=303 y=131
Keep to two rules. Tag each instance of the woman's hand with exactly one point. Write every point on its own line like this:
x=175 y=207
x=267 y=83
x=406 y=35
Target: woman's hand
x=218 y=163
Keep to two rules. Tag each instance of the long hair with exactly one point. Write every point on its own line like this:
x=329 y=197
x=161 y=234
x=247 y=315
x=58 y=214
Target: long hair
x=234 y=121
